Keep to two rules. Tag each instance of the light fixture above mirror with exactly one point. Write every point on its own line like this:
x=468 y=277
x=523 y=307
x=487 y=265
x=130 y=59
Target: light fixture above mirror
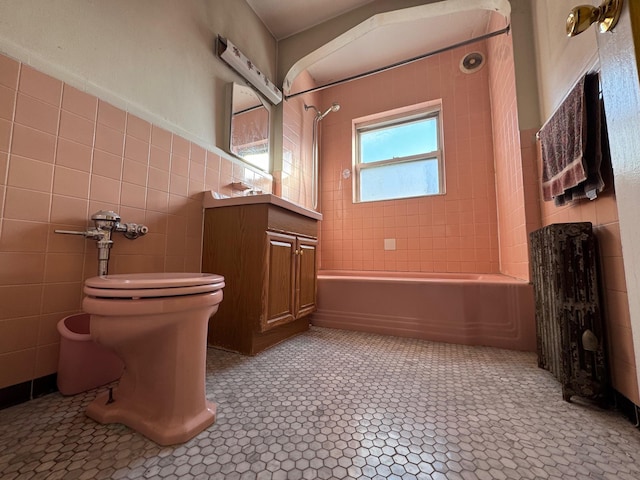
x=228 y=52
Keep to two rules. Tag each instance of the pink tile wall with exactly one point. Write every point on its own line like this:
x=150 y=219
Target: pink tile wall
x=513 y=161
x=456 y=232
x=64 y=155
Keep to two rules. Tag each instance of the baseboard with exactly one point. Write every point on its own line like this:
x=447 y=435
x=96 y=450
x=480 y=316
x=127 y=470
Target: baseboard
x=25 y=391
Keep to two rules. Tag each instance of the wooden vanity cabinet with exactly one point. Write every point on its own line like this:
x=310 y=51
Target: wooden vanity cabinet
x=267 y=255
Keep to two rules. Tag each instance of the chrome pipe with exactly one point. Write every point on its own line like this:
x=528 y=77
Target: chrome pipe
x=314 y=146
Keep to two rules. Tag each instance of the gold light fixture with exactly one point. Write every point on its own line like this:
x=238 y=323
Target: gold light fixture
x=606 y=16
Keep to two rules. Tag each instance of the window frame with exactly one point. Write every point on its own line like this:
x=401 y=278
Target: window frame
x=398 y=117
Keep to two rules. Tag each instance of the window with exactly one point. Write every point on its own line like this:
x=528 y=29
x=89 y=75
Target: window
x=399 y=155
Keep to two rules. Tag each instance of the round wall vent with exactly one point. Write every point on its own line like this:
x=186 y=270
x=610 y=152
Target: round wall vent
x=472 y=62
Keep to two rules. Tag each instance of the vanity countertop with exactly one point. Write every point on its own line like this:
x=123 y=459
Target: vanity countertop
x=209 y=201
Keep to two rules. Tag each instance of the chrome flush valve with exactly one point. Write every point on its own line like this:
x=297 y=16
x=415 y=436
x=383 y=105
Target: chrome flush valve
x=109 y=220
x=106 y=222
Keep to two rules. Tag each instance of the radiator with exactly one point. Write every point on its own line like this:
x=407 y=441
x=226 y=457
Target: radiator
x=569 y=327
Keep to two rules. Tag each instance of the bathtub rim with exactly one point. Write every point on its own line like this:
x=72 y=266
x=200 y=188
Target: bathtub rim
x=417 y=277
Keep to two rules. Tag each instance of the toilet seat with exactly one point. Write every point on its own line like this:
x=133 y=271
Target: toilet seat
x=147 y=285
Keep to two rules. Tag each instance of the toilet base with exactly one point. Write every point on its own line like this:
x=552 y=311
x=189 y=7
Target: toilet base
x=163 y=433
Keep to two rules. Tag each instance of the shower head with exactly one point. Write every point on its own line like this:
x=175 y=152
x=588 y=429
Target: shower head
x=333 y=108
x=319 y=116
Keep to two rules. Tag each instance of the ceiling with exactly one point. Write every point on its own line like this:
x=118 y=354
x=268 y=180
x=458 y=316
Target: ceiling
x=383 y=39
x=284 y=18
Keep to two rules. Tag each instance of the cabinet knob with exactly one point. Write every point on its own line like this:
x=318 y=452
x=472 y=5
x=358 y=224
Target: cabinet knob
x=297 y=252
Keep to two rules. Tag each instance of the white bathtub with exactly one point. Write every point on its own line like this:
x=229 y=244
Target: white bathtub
x=469 y=309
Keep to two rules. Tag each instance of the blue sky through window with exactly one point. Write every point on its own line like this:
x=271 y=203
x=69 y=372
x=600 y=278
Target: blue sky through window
x=404 y=140
x=400 y=158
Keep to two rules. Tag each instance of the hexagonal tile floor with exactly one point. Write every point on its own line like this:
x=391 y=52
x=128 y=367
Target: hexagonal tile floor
x=337 y=404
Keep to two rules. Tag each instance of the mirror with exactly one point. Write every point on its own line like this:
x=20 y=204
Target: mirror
x=249 y=134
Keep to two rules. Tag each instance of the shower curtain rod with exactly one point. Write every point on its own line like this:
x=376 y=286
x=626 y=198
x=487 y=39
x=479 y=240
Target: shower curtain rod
x=403 y=62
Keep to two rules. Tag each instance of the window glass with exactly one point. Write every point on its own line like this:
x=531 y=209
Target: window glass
x=399 y=156
x=403 y=140
x=400 y=180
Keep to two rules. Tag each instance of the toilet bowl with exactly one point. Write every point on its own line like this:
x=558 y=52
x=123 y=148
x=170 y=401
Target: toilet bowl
x=157 y=324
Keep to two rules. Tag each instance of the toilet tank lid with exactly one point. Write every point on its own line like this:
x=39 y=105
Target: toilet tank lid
x=154 y=280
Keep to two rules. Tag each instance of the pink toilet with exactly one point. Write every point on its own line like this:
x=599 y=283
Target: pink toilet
x=157 y=324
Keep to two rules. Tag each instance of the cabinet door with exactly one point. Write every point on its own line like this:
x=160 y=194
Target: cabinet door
x=279 y=285
x=306 y=285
